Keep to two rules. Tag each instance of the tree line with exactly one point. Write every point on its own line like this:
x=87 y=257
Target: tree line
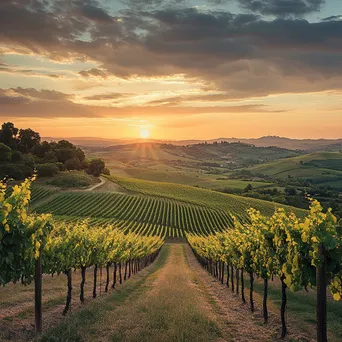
x=22 y=151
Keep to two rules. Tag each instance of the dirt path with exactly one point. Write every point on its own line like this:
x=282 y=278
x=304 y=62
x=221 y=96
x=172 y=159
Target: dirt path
x=174 y=299
x=102 y=182
x=243 y=325
x=169 y=305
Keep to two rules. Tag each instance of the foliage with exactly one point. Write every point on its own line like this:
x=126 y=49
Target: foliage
x=24 y=237
x=47 y=170
x=282 y=245
x=21 y=234
x=73 y=179
x=23 y=147
x=96 y=167
x=5 y=153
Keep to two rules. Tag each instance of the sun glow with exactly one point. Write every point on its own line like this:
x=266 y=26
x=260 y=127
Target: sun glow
x=144 y=133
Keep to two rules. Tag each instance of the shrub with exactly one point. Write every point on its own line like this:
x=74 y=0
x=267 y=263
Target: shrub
x=96 y=167
x=16 y=171
x=75 y=179
x=5 y=153
x=17 y=157
x=47 y=170
x=73 y=164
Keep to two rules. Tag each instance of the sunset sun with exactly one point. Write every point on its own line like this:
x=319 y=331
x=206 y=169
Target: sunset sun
x=144 y=133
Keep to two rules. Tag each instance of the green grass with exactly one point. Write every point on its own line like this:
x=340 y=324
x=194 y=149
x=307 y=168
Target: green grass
x=73 y=179
x=323 y=166
x=301 y=308
x=69 y=329
x=160 y=304
x=191 y=177
x=143 y=214
x=236 y=205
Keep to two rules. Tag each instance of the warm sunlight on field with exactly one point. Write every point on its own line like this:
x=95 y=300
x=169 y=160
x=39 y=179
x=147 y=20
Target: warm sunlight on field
x=170 y=170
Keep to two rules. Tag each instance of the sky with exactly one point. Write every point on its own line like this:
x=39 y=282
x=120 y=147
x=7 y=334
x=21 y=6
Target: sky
x=177 y=69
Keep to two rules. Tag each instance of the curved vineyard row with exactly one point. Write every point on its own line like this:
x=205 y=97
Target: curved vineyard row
x=198 y=196
x=143 y=214
x=40 y=192
x=141 y=228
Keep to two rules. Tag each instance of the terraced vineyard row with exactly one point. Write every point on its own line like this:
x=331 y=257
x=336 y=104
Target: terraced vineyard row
x=40 y=192
x=140 y=210
x=143 y=228
x=237 y=205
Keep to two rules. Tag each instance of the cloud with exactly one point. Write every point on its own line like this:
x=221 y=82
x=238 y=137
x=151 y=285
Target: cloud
x=242 y=55
x=95 y=72
x=333 y=18
x=95 y=13
x=282 y=7
x=34 y=94
x=107 y=96
x=27 y=102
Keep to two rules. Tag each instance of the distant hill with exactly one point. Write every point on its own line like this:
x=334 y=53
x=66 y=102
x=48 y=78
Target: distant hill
x=291 y=144
x=309 y=145
x=223 y=154
x=324 y=168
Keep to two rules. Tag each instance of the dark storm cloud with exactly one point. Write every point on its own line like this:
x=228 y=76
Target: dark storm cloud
x=282 y=7
x=95 y=13
x=242 y=55
x=333 y=18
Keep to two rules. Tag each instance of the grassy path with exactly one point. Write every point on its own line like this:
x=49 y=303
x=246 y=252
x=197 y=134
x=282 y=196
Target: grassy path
x=165 y=302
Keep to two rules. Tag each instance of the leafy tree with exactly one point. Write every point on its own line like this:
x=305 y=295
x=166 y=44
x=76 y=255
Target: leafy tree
x=47 y=170
x=8 y=135
x=27 y=140
x=96 y=167
x=16 y=157
x=248 y=188
x=106 y=171
x=42 y=149
x=73 y=164
x=5 y=153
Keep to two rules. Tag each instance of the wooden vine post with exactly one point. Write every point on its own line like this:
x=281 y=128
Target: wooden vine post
x=321 y=308
x=38 y=295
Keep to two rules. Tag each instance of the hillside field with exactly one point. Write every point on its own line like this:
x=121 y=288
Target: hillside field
x=149 y=208
x=320 y=168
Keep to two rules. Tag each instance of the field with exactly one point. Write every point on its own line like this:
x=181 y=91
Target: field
x=199 y=165
x=322 y=167
x=151 y=208
x=174 y=298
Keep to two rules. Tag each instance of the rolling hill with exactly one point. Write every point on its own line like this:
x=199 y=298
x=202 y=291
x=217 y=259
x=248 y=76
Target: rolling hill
x=152 y=208
x=319 y=168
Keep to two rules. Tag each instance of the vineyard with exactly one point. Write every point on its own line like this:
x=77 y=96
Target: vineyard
x=33 y=244
x=302 y=253
x=138 y=213
x=40 y=192
x=163 y=209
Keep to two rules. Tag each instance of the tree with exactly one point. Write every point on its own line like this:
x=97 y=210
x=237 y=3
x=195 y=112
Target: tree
x=248 y=188
x=73 y=164
x=8 y=135
x=96 y=167
x=16 y=157
x=42 y=149
x=47 y=170
x=5 y=153
x=28 y=139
